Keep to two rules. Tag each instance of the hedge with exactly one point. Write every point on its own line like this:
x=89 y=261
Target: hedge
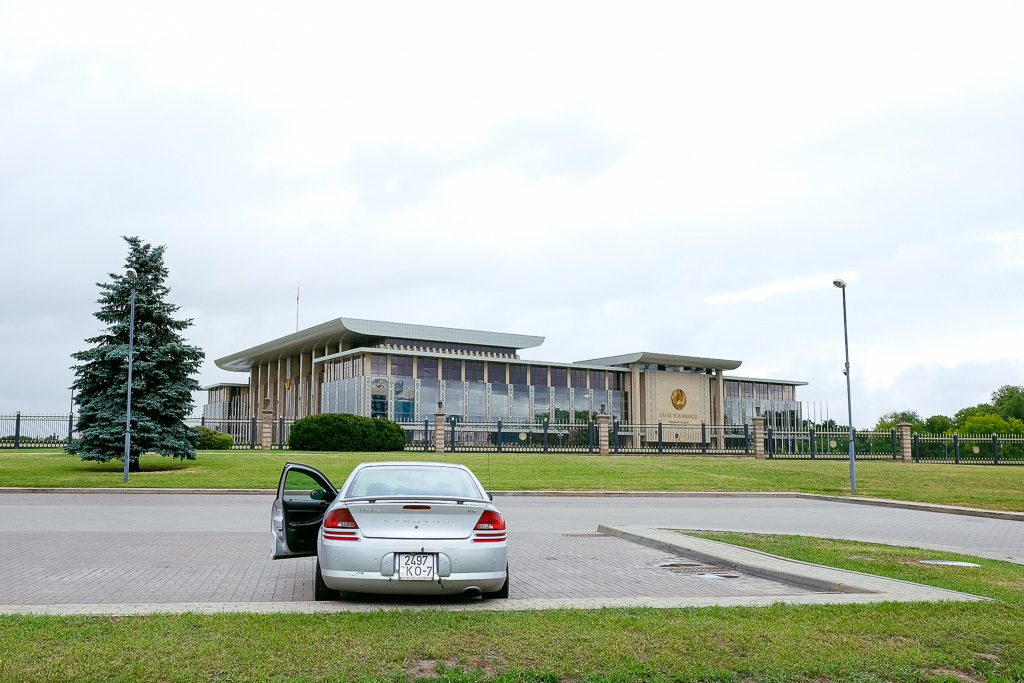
x=212 y=440
x=344 y=432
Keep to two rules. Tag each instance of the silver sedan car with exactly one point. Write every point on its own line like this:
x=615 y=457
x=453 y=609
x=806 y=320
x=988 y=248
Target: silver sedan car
x=422 y=528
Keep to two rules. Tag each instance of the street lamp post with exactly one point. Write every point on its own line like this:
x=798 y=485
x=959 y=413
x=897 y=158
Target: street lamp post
x=841 y=284
x=133 y=276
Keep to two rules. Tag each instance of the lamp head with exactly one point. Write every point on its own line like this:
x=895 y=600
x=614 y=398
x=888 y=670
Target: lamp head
x=440 y=406
x=132 y=274
x=841 y=284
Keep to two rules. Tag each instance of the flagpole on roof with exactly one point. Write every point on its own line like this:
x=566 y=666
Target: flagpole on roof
x=296 y=309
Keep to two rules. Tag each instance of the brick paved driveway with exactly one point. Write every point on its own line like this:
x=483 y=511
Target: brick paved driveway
x=158 y=548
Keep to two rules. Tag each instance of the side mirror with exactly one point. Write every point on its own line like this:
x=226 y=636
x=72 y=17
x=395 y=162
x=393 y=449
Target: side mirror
x=490 y=496
x=317 y=494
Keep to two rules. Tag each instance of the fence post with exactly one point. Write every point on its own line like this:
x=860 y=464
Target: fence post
x=426 y=431
x=771 y=442
x=814 y=444
x=253 y=433
x=746 y=439
x=266 y=429
x=956 y=449
x=280 y=433
x=995 y=448
x=905 y=454
x=917 y=449
x=545 y=436
x=499 y=436
x=453 y=421
x=602 y=434
x=615 y=427
x=660 y=450
x=892 y=434
x=202 y=420
x=71 y=427
x=590 y=435
x=758 y=437
x=439 y=437
x=703 y=438
x=17 y=430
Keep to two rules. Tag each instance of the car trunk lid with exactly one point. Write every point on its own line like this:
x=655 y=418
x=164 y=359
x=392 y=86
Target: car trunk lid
x=406 y=519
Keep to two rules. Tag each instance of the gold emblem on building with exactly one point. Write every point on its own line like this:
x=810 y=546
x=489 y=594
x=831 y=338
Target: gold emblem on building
x=679 y=399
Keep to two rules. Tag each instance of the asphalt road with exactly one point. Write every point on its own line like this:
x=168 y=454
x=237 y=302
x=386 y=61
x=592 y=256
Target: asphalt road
x=96 y=548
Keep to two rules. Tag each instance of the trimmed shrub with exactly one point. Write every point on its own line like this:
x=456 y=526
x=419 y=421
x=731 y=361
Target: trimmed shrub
x=212 y=440
x=344 y=432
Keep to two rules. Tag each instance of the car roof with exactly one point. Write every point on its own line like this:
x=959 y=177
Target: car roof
x=407 y=463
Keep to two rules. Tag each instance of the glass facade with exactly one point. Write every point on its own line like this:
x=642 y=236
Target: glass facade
x=403 y=398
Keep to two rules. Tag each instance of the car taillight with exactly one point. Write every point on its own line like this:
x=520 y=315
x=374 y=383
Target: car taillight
x=490 y=521
x=340 y=518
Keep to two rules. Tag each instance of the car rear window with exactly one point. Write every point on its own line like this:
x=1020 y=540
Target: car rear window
x=416 y=481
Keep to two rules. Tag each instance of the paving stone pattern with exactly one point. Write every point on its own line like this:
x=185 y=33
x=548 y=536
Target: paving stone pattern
x=158 y=549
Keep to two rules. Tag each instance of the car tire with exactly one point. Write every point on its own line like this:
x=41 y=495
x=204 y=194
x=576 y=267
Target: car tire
x=501 y=593
x=320 y=589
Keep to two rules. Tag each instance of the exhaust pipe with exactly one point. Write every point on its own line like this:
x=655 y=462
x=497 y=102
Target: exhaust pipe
x=472 y=592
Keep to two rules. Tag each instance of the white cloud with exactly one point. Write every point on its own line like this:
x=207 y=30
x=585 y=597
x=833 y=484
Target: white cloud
x=780 y=287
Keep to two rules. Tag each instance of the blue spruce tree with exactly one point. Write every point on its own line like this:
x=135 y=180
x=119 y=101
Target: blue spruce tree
x=163 y=369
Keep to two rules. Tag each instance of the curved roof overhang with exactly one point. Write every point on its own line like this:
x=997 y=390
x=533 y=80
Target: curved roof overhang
x=666 y=359
x=347 y=330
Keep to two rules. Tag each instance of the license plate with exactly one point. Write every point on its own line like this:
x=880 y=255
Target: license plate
x=417 y=566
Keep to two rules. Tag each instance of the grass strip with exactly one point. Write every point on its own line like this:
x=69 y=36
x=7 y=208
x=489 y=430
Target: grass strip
x=983 y=486
x=877 y=642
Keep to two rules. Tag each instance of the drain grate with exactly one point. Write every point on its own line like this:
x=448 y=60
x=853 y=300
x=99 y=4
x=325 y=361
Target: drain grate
x=698 y=569
x=587 y=536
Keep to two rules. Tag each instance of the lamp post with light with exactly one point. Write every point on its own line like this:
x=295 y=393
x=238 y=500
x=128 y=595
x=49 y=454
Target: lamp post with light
x=841 y=284
x=133 y=276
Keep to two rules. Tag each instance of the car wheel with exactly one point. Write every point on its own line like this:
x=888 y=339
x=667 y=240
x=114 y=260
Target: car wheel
x=320 y=589
x=502 y=592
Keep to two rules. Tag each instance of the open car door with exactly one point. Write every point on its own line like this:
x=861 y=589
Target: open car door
x=303 y=496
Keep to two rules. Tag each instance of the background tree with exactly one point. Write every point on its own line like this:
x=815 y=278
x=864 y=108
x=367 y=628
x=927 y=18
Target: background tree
x=890 y=420
x=961 y=415
x=1008 y=401
x=991 y=423
x=162 y=376
x=937 y=424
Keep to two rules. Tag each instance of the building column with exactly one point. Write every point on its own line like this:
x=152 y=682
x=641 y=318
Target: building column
x=720 y=407
x=439 y=422
x=634 y=393
x=905 y=442
x=758 y=437
x=602 y=434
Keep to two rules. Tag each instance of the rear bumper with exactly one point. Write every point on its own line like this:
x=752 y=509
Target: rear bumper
x=367 y=566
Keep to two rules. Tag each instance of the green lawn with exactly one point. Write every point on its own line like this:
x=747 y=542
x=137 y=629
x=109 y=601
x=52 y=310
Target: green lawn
x=1000 y=488
x=881 y=642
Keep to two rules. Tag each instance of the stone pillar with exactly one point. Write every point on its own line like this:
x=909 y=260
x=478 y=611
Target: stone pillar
x=758 y=437
x=719 y=408
x=439 y=419
x=906 y=440
x=266 y=429
x=602 y=434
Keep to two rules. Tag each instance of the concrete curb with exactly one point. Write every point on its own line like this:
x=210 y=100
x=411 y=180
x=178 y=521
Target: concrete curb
x=855 y=500
x=813 y=577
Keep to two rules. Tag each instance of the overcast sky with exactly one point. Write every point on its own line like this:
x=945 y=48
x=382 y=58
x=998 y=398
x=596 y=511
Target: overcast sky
x=674 y=177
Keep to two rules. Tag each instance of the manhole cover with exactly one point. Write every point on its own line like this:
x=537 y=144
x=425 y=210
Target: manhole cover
x=587 y=536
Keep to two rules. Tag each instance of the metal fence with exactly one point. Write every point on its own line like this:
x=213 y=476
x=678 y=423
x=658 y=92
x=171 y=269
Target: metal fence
x=55 y=431
x=832 y=445
x=669 y=438
x=36 y=431
x=968 y=449
x=522 y=437
x=419 y=436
